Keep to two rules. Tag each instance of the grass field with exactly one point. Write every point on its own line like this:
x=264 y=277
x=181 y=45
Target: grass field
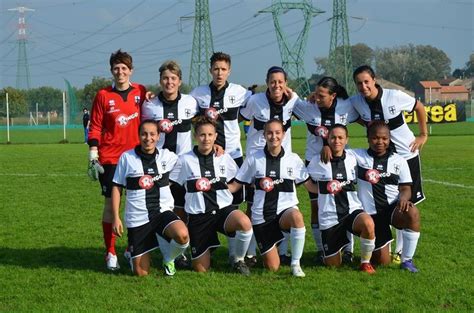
x=51 y=255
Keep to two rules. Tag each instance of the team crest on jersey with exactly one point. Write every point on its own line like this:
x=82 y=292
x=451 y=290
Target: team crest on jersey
x=203 y=184
x=232 y=99
x=396 y=168
x=137 y=99
x=163 y=165
x=321 y=131
x=289 y=170
x=187 y=112
x=146 y=182
x=372 y=176
x=334 y=186
x=111 y=103
x=165 y=126
x=212 y=113
x=222 y=169
x=343 y=119
x=391 y=109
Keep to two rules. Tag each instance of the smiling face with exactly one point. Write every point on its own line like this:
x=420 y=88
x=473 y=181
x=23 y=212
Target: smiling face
x=379 y=140
x=121 y=73
x=323 y=97
x=205 y=136
x=276 y=84
x=170 y=83
x=220 y=71
x=274 y=134
x=366 y=85
x=149 y=136
x=337 y=140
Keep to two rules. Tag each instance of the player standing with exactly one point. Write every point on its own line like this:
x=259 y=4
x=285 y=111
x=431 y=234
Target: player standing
x=149 y=217
x=374 y=103
x=115 y=117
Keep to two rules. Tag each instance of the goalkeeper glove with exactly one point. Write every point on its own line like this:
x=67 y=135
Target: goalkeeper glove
x=94 y=165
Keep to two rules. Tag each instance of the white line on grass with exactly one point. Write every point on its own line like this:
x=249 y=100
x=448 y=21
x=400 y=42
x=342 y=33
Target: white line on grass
x=447 y=184
x=442 y=169
x=42 y=175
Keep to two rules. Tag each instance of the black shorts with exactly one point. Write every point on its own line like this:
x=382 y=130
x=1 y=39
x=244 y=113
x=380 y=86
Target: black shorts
x=312 y=196
x=203 y=230
x=417 y=194
x=239 y=195
x=268 y=234
x=142 y=239
x=382 y=221
x=335 y=238
x=178 y=192
x=106 y=178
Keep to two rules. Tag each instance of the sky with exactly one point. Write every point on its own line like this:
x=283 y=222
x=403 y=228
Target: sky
x=73 y=40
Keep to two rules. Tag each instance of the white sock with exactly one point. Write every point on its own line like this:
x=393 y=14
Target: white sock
x=297 y=244
x=283 y=247
x=367 y=246
x=164 y=246
x=176 y=249
x=317 y=236
x=231 y=246
x=242 y=242
x=252 y=250
x=399 y=241
x=410 y=241
x=350 y=246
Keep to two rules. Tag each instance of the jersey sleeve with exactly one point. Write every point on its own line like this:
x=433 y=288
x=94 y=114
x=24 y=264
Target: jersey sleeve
x=245 y=175
x=405 y=175
x=171 y=160
x=96 y=120
x=352 y=114
x=312 y=168
x=247 y=111
x=177 y=174
x=300 y=170
x=405 y=102
x=232 y=168
x=298 y=109
x=120 y=178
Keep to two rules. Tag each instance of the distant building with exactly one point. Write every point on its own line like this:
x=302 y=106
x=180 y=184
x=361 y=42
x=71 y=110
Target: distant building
x=433 y=92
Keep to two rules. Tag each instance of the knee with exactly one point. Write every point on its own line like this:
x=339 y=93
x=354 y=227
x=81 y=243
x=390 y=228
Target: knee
x=368 y=226
x=296 y=219
x=140 y=272
x=272 y=267
x=182 y=236
x=414 y=215
x=199 y=268
x=245 y=224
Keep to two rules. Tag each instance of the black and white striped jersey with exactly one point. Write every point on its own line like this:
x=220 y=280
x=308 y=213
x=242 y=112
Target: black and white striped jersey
x=259 y=110
x=174 y=120
x=378 y=178
x=336 y=187
x=274 y=179
x=223 y=106
x=389 y=106
x=320 y=120
x=205 y=178
x=146 y=180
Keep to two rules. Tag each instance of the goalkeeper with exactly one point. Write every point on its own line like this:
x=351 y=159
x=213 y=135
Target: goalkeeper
x=115 y=118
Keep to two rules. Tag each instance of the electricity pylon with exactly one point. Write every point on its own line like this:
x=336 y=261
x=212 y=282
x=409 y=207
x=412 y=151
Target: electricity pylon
x=203 y=46
x=22 y=69
x=340 y=57
x=292 y=55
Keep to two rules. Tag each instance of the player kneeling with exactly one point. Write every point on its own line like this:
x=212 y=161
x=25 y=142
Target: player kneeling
x=149 y=217
x=275 y=172
x=385 y=191
x=208 y=201
x=340 y=210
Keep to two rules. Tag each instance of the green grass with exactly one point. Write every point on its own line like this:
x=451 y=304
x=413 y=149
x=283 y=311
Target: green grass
x=51 y=255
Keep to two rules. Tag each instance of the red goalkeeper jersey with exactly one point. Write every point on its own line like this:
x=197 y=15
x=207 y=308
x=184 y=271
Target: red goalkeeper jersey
x=115 y=118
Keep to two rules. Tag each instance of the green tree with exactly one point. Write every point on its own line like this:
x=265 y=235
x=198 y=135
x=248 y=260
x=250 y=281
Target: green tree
x=467 y=71
x=90 y=90
x=17 y=103
x=406 y=65
x=48 y=99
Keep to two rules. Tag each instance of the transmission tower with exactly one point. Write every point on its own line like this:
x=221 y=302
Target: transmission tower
x=340 y=57
x=22 y=69
x=292 y=54
x=202 y=45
